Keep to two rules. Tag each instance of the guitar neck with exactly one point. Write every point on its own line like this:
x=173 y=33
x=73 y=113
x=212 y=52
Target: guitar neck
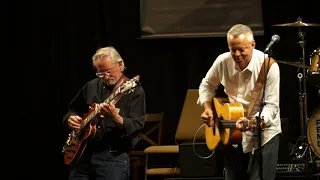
x=95 y=112
x=231 y=123
x=112 y=96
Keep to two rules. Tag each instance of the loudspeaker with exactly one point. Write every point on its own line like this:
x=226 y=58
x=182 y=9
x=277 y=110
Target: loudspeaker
x=193 y=163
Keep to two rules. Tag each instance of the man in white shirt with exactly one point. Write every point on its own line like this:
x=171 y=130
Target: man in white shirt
x=237 y=71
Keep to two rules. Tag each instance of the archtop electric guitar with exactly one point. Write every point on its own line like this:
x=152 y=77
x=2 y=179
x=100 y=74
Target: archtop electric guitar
x=77 y=140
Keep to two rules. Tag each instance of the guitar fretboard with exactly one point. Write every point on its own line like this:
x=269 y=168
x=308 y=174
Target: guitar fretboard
x=95 y=112
x=231 y=123
x=126 y=87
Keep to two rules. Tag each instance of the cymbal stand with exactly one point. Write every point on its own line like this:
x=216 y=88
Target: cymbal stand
x=302 y=44
x=302 y=144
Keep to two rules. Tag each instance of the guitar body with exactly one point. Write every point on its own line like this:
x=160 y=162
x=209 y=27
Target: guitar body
x=212 y=139
x=77 y=141
x=224 y=110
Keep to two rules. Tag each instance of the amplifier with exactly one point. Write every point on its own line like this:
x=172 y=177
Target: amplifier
x=290 y=168
x=193 y=166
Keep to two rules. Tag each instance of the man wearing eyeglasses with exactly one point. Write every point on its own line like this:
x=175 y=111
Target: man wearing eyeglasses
x=106 y=155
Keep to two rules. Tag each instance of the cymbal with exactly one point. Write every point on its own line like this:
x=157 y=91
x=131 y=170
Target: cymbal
x=298 y=23
x=296 y=63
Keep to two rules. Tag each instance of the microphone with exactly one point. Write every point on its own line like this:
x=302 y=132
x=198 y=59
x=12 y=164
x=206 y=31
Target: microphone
x=275 y=38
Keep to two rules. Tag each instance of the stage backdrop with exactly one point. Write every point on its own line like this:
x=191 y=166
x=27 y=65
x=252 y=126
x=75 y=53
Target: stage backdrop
x=201 y=18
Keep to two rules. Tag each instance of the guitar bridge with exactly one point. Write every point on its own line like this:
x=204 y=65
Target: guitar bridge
x=67 y=146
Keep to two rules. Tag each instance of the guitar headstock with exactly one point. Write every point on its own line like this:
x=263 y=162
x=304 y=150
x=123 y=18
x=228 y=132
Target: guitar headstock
x=129 y=86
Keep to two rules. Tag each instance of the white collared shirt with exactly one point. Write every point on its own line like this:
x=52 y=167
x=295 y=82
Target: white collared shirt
x=238 y=86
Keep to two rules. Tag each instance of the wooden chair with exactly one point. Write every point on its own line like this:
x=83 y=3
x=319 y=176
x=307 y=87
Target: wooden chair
x=190 y=120
x=167 y=152
x=156 y=119
x=189 y=123
x=150 y=136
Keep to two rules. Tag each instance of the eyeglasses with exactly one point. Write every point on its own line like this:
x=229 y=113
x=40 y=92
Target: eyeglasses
x=107 y=72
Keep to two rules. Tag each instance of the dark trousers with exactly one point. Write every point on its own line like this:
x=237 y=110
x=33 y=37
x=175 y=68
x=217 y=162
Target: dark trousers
x=236 y=162
x=102 y=165
x=269 y=160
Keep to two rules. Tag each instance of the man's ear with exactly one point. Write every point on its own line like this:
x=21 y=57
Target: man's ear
x=120 y=63
x=253 y=44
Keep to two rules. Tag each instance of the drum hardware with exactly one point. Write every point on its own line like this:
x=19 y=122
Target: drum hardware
x=302 y=143
x=302 y=150
x=295 y=63
x=298 y=23
x=302 y=92
x=302 y=147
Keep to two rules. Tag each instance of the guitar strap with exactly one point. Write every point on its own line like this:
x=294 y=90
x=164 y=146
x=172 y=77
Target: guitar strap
x=260 y=82
x=122 y=79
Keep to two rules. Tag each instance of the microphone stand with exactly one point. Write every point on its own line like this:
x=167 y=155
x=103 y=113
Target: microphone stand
x=258 y=130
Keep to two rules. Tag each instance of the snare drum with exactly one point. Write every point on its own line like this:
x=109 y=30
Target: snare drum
x=314 y=132
x=314 y=70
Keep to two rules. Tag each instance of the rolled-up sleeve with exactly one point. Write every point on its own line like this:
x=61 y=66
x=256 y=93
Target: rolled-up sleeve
x=209 y=84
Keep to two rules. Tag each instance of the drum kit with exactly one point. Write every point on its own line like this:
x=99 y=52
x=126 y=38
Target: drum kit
x=310 y=128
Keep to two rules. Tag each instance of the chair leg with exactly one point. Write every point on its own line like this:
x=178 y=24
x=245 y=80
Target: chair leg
x=146 y=168
x=135 y=171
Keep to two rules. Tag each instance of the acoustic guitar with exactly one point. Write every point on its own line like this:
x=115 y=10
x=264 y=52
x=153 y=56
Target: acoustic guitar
x=77 y=140
x=224 y=128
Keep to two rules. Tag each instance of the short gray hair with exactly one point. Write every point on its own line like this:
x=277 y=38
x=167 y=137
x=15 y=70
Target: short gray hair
x=239 y=29
x=107 y=51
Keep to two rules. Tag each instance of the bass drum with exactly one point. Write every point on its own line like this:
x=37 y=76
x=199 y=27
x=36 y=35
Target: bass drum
x=314 y=70
x=314 y=132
